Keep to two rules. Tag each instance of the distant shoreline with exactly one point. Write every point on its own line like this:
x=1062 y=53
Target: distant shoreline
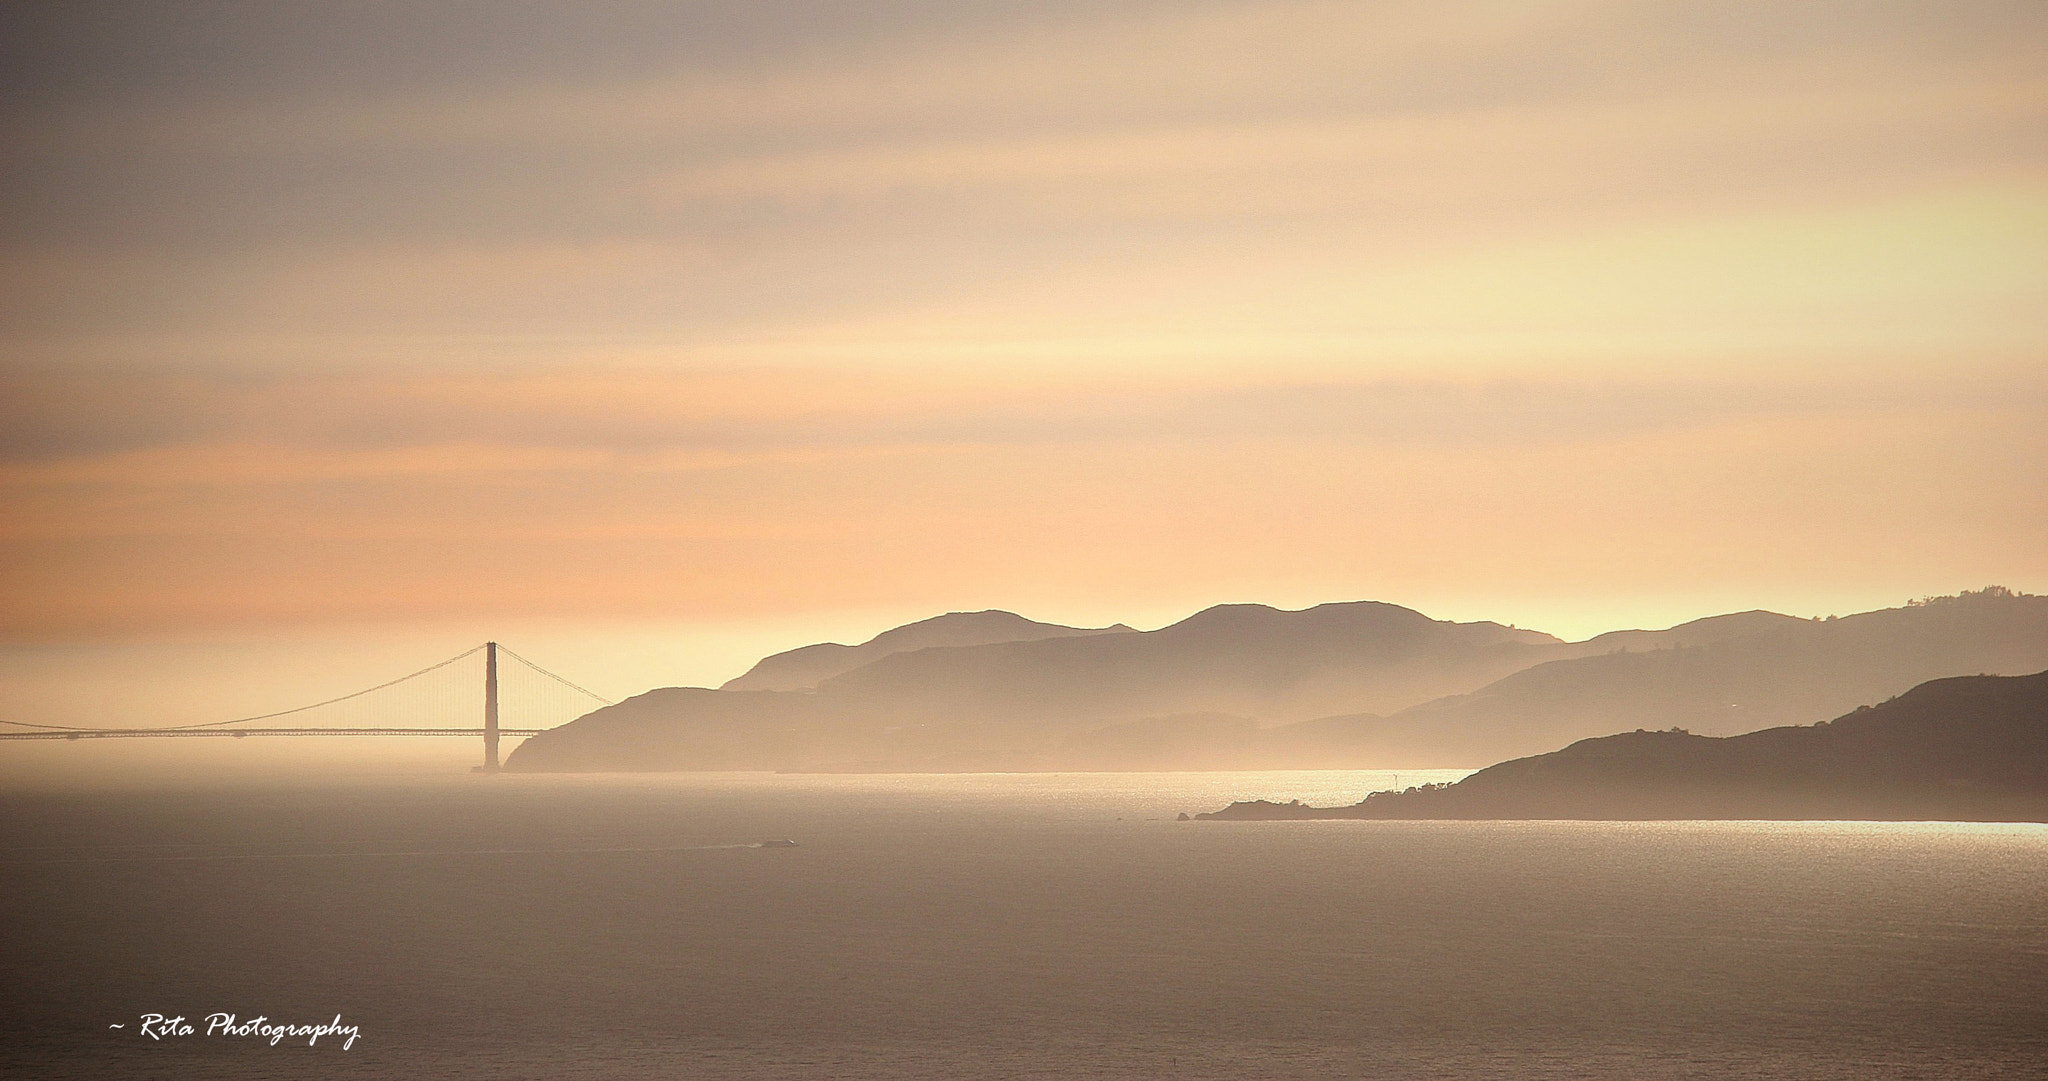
x=1965 y=749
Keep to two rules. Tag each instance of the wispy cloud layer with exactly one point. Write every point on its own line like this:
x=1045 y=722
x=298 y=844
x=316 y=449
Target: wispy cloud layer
x=57 y=424
x=158 y=500
x=936 y=167
x=727 y=308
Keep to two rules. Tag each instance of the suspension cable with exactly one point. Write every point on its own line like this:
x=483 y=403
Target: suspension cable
x=556 y=678
x=470 y=652
x=284 y=712
x=358 y=694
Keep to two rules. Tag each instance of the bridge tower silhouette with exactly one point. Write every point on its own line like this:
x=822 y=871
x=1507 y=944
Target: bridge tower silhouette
x=490 y=707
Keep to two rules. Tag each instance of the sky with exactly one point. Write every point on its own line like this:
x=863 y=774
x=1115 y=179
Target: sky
x=663 y=335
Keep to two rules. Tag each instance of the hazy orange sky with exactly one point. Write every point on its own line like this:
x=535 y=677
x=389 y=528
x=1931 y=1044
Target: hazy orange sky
x=749 y=324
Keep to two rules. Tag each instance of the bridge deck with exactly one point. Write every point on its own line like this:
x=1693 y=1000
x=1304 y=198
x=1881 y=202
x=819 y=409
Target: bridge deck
x=236 y=733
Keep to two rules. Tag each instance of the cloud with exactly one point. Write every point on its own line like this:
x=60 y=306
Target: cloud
x=1261 y=495
x=63 y=426
x=1200 y=108
x=314 y=312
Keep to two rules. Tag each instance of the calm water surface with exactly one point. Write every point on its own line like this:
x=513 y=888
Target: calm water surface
x=1001 y=927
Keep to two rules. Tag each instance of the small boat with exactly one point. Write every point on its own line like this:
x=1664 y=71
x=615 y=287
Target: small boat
x=780 y=842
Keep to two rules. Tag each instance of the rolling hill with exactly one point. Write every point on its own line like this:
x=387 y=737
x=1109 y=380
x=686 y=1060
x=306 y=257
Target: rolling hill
x=806 y=667
x=1967 y=748
x=1793 y=672
x=1349 y=685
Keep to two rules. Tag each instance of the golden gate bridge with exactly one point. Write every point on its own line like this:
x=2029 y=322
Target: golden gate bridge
x=440 y=690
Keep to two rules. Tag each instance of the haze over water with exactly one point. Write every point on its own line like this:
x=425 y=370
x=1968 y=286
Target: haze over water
x=1048 y=926
x=649 y=338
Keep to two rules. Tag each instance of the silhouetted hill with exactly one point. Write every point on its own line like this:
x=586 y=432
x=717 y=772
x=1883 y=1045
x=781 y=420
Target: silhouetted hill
x=1039 y=704
x=804 y=668
x=1796 y=672
x=1243 y=659
x=709 y=730
x=1968 y=748
x=1230 y=687
x=1699 y=632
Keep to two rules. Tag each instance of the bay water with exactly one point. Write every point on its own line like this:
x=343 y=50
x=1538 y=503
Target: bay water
x=993 y=926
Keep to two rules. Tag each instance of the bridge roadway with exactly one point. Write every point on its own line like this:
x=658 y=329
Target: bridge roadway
x=225 y=730
x=238 y=733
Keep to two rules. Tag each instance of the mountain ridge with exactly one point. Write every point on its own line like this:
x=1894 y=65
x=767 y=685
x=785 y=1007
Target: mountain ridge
x=1239 y=658
x=1796 y=672
x=1249 y=687
x=807 y=666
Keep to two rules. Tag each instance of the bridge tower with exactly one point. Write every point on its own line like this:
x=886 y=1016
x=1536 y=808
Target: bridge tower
x=490 y=707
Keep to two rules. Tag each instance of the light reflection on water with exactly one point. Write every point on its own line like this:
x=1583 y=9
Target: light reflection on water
x=1150 y=793
x=1004 y=925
